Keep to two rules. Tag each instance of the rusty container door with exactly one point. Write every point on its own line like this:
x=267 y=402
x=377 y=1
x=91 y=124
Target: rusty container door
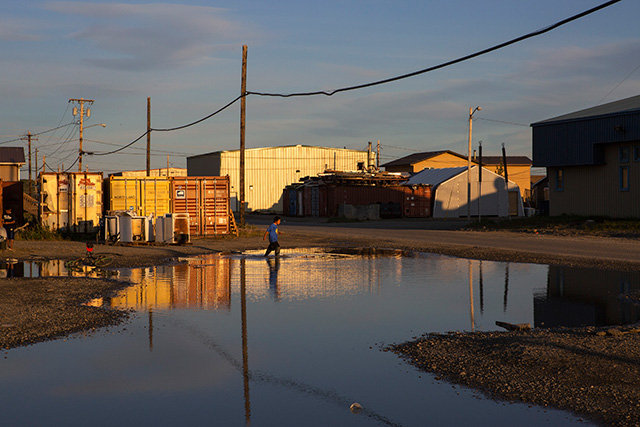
x=206 y=201
x=417 y=201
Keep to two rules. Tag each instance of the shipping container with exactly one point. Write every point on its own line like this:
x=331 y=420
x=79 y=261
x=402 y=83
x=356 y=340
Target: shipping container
x=205 y=199
x=71 y=201
x=390 y=198
x=143 y=195
x=417 y=201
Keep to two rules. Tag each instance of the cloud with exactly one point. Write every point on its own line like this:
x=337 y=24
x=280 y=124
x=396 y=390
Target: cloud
x=15 y=29
x=139 y=37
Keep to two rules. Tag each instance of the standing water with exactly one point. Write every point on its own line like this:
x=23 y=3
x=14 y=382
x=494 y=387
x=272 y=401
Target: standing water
x=231 y=340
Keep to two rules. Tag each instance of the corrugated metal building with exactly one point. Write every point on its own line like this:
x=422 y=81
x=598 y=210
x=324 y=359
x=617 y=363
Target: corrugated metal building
x=592 y=158
x=449 y=193
x=269 y=170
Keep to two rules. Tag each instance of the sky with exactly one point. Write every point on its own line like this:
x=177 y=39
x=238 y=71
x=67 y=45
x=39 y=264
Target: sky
x=187 y=57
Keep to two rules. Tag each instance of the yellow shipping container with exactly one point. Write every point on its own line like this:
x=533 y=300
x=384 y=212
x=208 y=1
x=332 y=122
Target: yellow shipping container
x=144 y=195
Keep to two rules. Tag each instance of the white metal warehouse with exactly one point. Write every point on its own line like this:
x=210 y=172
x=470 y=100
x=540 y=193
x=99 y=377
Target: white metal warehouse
x=269 y=170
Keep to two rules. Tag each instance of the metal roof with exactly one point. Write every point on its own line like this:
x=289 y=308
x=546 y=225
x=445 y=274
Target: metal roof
x=616 y=107
x=419 y=157
x=435 y=177
x=511 y=160
x=13 y=155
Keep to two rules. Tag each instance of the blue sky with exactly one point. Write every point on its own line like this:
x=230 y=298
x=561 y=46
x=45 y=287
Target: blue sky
x=187 y=58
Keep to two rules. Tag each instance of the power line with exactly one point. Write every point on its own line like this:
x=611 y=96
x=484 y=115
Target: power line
x=445 y=64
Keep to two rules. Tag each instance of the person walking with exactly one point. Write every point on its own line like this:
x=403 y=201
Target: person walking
x=9 y=225
x=272 y=232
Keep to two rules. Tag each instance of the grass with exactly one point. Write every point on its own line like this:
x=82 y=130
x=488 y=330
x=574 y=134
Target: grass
x=564 y=225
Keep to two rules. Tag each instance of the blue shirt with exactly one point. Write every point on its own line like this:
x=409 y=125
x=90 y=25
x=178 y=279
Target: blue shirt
x=273 y=233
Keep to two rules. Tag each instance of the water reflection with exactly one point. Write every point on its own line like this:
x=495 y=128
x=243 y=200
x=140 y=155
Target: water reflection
x=583 y=296
x=236 y=338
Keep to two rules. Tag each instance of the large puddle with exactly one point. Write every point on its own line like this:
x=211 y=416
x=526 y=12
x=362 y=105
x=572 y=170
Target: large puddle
x=238 y=339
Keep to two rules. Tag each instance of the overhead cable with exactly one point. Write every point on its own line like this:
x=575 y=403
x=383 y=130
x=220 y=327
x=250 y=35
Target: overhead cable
x=445 y=64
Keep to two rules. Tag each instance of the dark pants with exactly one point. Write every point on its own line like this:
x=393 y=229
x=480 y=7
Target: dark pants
x=273 y=246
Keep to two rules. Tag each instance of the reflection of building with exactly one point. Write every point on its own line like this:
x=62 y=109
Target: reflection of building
x=583 y=296
x=203 y=284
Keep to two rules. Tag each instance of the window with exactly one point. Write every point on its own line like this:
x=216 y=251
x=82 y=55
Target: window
x=636 y=153
x=559 y=180
x=624 y=178
x=624 y=154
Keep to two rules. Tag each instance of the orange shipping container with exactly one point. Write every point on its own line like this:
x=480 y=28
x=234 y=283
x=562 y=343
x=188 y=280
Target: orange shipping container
x=206 y=200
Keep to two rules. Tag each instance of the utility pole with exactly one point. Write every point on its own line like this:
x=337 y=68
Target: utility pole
x=471 y=112
x=149 y=136
x=378 y=157
x=81 y=102
x=243 y=108
x=29 y=138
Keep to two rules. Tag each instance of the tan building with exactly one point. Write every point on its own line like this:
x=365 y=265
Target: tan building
x=518 y=171
x=11 y=160
x=518 y=167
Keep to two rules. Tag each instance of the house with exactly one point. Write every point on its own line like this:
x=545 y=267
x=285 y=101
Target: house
x=414 y=163
x=592 y=158
x=489 y=194
x=269 y=170
x=11 y=160
x=518 y=167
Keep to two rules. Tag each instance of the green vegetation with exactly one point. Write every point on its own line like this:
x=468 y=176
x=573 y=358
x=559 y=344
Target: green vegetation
x=564 y=225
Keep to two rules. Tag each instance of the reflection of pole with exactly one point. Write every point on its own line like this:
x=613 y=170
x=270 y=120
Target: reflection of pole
x=473 y=323
x=481 y=289
x=150 y=329
x=506 y=286
x=245 y=353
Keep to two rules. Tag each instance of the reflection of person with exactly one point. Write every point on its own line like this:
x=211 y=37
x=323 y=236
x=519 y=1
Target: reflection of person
x=9 y=224
x=274 y=266
x=273 y=232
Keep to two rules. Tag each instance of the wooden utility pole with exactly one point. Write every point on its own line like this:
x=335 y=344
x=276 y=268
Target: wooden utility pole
x=148 y=136
x=29 y=138
x=81 y=102
x=243 y=107
x=378 y=157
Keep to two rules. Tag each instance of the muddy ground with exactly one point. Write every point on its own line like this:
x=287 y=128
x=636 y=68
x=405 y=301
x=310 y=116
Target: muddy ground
x=592 y=372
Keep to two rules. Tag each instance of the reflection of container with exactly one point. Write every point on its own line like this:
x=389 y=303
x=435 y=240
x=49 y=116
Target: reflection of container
x=205 y=200
x=71 y=200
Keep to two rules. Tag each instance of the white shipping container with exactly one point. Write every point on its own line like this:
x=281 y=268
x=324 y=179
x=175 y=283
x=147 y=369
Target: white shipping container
x=71 y=201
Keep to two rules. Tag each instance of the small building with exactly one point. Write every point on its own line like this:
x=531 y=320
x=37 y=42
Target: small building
x=518 y=171
x=489 y=194
x=592 y=158
x=269 y=170
x=152 y=172
x=518 y=167
x=414 y=163
x=11 y=160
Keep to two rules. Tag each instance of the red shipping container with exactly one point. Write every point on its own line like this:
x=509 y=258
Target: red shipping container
x=206 y=200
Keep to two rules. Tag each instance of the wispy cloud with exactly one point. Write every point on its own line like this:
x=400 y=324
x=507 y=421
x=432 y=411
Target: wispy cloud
x=150 y=36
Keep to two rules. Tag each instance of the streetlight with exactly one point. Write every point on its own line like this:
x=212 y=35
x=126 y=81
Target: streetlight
x=471 y=112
